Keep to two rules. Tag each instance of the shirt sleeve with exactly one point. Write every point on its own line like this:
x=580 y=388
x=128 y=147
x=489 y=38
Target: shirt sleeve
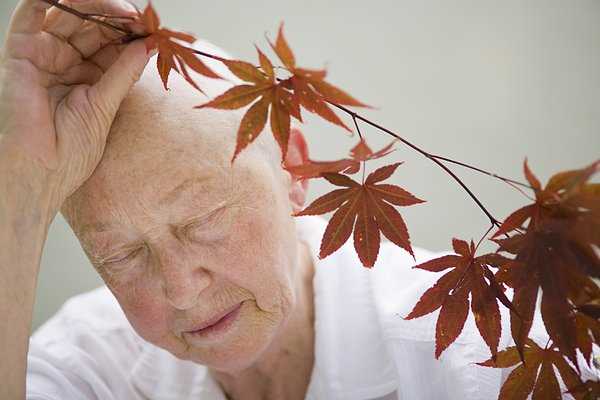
x=51 y=377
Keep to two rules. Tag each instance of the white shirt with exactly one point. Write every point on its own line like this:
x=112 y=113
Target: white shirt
x=364 y=349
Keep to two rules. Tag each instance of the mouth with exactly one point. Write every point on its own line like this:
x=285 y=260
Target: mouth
x=216 y=325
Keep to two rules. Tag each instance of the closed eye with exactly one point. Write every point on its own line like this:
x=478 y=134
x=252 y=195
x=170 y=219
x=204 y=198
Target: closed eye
x=205 y=222
x=122 y=258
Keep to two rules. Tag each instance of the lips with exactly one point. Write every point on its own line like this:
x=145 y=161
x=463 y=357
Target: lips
x=214 y=320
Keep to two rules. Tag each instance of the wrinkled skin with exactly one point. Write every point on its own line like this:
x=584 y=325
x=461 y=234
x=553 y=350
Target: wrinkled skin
x=174 y=259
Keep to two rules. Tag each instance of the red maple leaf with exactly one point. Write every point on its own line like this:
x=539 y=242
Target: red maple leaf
x=309 y=86
x=365 y=208
x=279 y=99
x=535 y=374
x=270 y=95
x=468 y=275
x=554 y=252
x=359 y=153
x=587 y=315
x=588 y=390
x=171 y=54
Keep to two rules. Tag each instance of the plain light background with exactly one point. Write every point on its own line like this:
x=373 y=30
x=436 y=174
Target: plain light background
x=484 y=82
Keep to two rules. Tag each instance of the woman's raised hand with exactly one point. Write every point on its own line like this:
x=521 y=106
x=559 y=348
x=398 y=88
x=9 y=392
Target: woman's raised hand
x=62 y=80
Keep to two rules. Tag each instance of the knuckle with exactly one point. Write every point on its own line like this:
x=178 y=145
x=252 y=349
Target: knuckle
x=91 y=116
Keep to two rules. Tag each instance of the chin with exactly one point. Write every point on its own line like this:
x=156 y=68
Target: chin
x=230 y=359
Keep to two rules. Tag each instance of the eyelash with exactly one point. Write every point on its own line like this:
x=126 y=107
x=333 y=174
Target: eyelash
x=199 y=223
x=128 y=257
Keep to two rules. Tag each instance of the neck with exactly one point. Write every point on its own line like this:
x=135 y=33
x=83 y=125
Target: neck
x=284 y=370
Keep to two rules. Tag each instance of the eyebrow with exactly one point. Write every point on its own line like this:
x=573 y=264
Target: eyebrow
x=166 y=200
x=174 y=194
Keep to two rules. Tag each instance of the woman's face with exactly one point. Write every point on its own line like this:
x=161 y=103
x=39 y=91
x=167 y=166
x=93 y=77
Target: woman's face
x=182 y=238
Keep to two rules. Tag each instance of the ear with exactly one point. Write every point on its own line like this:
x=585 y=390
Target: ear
x=297 y=154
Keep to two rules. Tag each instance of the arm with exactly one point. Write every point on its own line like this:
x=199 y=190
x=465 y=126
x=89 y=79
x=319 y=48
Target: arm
x=25 y=216
x=55 y=115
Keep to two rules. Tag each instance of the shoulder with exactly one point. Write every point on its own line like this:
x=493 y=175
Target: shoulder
x=77 y=351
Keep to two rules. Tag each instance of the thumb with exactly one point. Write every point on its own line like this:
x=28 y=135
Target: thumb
x=113 y=86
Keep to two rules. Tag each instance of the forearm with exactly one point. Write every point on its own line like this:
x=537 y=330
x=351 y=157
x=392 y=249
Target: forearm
x=25 y=215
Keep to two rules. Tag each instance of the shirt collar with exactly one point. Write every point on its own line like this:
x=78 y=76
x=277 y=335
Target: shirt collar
x=351 y=358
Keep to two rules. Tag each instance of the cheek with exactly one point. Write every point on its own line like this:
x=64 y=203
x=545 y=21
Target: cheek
x=144 y=309
x=261 y=258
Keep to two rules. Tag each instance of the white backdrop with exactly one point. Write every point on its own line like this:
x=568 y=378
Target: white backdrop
x=484 y=82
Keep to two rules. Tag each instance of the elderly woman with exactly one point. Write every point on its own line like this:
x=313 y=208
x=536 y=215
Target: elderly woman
x=213 y=290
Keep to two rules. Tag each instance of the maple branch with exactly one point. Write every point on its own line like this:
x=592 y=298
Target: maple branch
x=493 y=220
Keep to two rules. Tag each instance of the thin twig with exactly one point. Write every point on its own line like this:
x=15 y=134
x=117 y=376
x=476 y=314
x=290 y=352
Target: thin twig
x=483 y=237
x=364 y=165
x=109 y=16
x=85 y=16
x=493 y=175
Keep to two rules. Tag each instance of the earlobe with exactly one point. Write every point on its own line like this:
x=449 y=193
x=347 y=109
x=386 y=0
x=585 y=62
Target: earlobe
x=297 y=154
x=297 y=195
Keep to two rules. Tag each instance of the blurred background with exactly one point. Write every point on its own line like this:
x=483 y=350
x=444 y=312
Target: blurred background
x=484 y=82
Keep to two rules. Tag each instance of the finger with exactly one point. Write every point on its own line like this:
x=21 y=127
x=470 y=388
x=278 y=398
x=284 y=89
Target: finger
x=85 y=73
x=45 y=51
x=28 y=17
x=90 y=38
x=61 y=23
x=114 y=85
x=106 y=56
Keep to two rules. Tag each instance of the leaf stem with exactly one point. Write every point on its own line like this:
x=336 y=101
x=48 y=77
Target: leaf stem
x=364 y=164
x=483 y=237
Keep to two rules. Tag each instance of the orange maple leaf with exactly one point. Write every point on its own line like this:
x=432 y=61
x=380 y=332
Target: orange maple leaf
x=451 y=293
x=369 y=204
x=171 y=54
x=535 y=374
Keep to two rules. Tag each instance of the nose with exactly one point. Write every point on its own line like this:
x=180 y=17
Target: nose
x=182 y=277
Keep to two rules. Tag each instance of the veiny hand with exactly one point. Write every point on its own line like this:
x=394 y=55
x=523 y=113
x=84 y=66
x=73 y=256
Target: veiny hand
x=61 y=83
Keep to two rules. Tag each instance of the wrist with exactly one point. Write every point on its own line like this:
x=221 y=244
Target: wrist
x=26 y=194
